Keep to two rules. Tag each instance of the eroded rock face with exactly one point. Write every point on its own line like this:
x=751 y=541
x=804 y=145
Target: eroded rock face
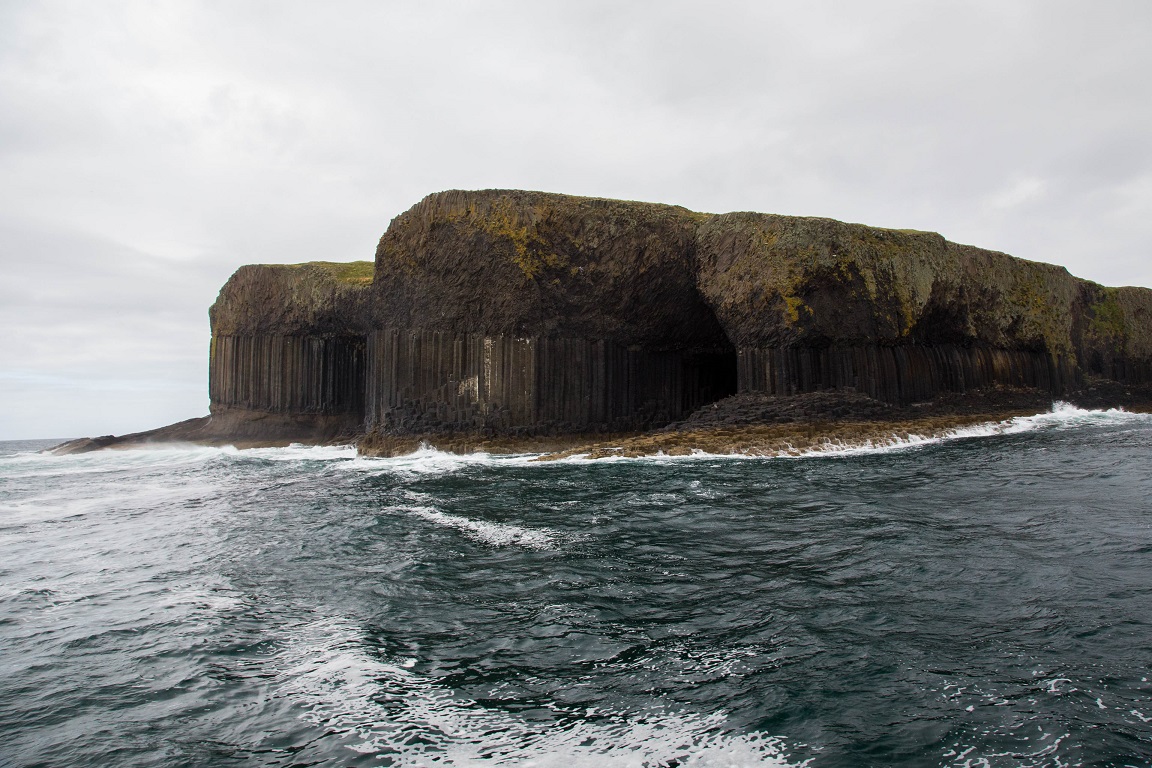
x=902 y=315
x=512 y=312
x=287 y=355
x=1112 y=330
x=527 y=264
x=781 y=281
x=314 y=299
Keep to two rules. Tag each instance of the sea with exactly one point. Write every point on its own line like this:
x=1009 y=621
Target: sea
x=981 y=599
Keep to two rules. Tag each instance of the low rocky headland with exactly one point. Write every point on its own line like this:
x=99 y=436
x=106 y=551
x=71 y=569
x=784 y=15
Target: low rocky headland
x=510 y=321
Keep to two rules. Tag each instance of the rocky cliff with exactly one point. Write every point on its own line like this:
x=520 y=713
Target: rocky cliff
x=903 y=315
x=607 y=314
x=532 y=312
x=287 y=354
x=527 y=313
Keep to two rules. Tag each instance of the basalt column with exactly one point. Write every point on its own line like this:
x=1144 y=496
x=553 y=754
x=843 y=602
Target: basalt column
x=288 y=374
x=899 y=374
x=430 y=381
x=511 y=312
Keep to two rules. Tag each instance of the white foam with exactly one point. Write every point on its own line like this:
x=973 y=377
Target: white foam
x=1067 y=416
x=1062 y=416
x=299 y=452
x=493 y=534
x=381 y=707
x=430 y=461
x=1045 y=756
x=41 y=465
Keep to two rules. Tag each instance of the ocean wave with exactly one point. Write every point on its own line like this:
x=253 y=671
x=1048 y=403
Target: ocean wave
x=1067 y=416
x=383 y=708
x=493 y=534
x=432 y=461
x=29 y=465
x=297 y=452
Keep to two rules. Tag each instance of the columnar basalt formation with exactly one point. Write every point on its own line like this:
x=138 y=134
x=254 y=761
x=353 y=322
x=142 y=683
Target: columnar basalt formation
x=521 y=313
x=287 y=351
x=529 y=312
x=814 y=304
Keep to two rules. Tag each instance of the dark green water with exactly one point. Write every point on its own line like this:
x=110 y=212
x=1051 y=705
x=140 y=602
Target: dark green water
x=985 y=601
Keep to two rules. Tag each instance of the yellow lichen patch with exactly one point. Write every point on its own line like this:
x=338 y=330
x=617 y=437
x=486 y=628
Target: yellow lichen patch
x=530 y=252
x=792 y=306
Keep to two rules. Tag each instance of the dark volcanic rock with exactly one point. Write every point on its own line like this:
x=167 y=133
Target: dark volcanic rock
x=783 y=281
x=183 y=431
x=287 y=356
x=318 y=298
x=901 y=315
x=526 y=315
x=527 y=264
x=761 y=408
x=510 y=311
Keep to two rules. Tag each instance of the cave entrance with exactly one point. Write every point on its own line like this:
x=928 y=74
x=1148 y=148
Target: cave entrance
x=707 y=377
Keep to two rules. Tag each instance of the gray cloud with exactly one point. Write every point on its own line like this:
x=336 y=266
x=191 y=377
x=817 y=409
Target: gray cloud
x=150 y=148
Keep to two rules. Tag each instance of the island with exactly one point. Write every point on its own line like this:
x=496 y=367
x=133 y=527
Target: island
x=516 y=321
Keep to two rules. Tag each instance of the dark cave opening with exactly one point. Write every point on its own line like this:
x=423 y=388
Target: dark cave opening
x=708 y=377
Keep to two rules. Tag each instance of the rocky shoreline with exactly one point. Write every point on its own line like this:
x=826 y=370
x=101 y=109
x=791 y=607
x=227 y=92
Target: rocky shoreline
x=753 y=424
x=756 y=424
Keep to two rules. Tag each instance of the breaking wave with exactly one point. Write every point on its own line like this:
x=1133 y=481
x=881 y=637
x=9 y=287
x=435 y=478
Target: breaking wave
x=493 y=534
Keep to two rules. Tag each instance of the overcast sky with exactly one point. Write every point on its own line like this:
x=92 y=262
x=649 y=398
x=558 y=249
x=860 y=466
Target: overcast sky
x=148 y=149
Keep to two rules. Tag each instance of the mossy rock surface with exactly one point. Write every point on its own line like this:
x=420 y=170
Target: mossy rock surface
x=540 y=264
x=315 y=298
x=354 y=272
x=533 y=263
x=657 y=278
x=800 y=281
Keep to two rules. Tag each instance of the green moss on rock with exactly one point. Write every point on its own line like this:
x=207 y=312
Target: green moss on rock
x=354 y=272
x=318 y=297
